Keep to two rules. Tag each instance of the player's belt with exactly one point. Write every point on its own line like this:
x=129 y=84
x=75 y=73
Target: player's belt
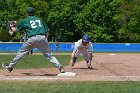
x=37 y=35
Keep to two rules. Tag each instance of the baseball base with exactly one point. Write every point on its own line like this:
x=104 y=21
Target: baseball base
x=67 y=74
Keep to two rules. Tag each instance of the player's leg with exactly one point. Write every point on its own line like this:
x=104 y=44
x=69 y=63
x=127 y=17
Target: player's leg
x=26 y=47
x=43 y=46
x=87 y=58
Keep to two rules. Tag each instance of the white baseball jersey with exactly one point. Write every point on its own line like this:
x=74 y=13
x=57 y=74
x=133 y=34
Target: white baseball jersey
x=79 y=46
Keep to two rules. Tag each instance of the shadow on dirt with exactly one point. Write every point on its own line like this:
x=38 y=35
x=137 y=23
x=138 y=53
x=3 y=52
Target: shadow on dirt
x=31 y=74
x=86 y=68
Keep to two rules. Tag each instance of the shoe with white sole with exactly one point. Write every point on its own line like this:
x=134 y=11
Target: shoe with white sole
x=62 y=70
x=6 y=66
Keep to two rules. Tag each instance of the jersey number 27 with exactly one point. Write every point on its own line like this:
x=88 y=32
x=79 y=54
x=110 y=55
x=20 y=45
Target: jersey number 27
x=35 y=23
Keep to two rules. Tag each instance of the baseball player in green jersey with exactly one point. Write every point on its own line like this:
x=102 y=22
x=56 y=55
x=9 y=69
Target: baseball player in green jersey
x=37 y=31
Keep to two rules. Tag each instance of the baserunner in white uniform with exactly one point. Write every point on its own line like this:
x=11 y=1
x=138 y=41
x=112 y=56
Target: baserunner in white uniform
x=85 y=47
x=37 y=31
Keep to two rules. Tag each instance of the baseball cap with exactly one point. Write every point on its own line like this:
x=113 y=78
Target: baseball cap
x=85 y=38
x=30 y=10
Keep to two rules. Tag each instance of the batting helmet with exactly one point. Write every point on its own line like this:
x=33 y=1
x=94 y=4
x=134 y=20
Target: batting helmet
x=85 y=38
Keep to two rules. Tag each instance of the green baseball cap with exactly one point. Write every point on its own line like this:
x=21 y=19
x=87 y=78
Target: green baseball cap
x=30 y=10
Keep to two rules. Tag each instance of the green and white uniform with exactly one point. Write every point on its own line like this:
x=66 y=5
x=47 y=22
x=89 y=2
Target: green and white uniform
x=36 y=30
x=33 y=26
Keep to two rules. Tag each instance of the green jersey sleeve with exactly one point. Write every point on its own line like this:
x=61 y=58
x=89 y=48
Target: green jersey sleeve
x=20 y=26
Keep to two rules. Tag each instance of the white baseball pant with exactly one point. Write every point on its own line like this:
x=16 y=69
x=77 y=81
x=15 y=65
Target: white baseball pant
x=40 y=42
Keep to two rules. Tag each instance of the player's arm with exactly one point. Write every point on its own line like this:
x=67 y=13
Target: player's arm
x=18 y=27
x=90 y=49
x=76 y=47
x=47 y=35
x=73 y=57
x=24 y=37
x=46 y=29
x=90 y=56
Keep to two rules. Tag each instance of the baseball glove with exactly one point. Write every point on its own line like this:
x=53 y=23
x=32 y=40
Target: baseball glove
x=11 y=24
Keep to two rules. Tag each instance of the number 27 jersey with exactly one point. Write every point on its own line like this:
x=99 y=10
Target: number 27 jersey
x=33 y=26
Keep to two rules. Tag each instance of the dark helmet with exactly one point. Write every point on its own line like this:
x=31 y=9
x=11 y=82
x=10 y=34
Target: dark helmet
x=30 y=10
x=85 y=38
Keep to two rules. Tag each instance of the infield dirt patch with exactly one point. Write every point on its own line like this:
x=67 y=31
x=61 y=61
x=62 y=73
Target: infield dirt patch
x=106 y=67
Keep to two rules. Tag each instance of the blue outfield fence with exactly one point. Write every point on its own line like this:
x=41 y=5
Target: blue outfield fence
x=117 y=47
x=68 y=47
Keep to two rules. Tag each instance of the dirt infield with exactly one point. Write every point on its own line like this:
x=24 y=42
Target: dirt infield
x=106 y=67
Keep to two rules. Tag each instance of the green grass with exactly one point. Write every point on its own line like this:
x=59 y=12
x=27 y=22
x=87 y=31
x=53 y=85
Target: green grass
x=37 y=61
x=68 y=87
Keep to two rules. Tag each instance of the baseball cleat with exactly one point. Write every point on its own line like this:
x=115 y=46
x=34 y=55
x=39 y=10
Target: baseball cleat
x=6 y=66
x=62 y=70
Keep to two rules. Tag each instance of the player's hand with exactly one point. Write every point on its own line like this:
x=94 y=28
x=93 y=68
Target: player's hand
x=89 y=64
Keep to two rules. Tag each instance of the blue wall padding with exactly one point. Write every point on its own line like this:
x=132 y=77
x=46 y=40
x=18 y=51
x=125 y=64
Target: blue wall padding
x=68 y=47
